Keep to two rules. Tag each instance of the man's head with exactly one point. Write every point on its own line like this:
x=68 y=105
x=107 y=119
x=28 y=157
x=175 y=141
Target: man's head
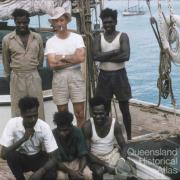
x=99 y=107
x=63 y=120
x=109 y=19
x=21 y=19
x=59 y=19
x=29 y=111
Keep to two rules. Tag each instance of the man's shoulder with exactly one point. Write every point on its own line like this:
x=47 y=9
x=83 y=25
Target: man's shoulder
x=87 y=124
x=9 y=36
x=87 y=128
x=52 y=39
x=15 y=123
x=124 y=35
x=75 y=35
x=16 y=120
x=36 y=35
x=42 y=125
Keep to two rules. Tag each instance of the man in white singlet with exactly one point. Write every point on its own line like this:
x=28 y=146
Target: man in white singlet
x=111 y=48
x=101 y=132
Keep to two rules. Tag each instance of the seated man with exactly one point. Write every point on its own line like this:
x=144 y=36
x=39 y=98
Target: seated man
x=101 y=132
x=22 y=142
x=72 y=148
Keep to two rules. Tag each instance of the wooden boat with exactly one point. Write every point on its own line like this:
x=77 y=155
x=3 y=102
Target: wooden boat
x=148 y=120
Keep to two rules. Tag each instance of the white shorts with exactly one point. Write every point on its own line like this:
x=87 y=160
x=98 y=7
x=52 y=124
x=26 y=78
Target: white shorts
x=68 y=84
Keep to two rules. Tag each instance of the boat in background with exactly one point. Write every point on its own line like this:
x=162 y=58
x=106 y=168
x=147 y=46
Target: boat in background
x=133 y=10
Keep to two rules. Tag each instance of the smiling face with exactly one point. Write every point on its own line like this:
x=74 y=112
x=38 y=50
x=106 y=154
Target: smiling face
x=109 y=24
x=22 y=23
x=99 y=115
x=30 y=117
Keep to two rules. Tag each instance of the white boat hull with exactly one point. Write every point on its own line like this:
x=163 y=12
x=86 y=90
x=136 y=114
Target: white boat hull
x=131 y=13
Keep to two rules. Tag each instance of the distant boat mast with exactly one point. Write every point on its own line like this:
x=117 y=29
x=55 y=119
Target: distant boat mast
x=133 y=10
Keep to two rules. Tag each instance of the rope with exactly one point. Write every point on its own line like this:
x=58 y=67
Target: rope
x=164 y=82
x=91 y=72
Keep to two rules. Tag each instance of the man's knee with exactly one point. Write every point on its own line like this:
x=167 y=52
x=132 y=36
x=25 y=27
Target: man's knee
x=13 y=156
x=87 y=173
x=61 y=175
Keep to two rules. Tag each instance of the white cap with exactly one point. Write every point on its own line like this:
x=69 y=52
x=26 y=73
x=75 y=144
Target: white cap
x=58 y=12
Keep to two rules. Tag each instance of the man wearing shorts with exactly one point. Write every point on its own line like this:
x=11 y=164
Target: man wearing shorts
x=112 y=49
x=65 y=51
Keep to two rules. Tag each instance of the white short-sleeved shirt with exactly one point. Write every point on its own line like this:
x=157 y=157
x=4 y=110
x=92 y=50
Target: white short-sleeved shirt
x=41 y=139
x=67 y=46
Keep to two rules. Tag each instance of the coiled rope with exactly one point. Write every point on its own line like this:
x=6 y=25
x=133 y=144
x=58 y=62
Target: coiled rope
x=164 y=82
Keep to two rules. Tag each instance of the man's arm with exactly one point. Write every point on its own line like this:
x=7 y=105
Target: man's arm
x=117 y=55
x=63 y=61
x=120 y=139
x=76 y=58
x=6 y=57
x=6 y=150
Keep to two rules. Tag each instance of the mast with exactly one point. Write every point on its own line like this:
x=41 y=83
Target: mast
x=84 y=25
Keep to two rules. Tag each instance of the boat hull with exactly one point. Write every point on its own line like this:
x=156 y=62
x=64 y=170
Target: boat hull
x=130 y=13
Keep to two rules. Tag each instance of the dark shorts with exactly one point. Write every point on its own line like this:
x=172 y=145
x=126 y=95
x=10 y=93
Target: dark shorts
x=114 y=83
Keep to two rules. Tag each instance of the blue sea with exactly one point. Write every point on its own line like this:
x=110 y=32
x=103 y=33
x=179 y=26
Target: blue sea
x=144 y=61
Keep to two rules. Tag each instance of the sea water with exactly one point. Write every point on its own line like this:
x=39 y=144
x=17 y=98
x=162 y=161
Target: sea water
x=143 y=66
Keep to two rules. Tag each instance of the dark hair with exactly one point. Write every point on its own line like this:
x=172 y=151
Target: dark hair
x=27 y=103
x=63 y=118
x=108 y=13
x=98 y=100
x=19 y=13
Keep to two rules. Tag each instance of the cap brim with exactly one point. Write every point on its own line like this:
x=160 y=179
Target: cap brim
x=58 y=16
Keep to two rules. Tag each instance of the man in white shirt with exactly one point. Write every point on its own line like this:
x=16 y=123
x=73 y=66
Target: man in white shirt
x=65 y=51
x=23 y=140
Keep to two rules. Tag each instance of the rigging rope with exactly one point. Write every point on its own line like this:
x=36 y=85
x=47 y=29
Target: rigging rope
x=91 y=74
x=164 y=82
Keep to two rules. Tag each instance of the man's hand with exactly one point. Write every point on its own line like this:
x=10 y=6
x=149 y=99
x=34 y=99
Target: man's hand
x=76 y=174
x=28 y=133
x=37 y=175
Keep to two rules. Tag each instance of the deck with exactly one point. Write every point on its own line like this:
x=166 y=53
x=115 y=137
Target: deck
x=145 y=120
